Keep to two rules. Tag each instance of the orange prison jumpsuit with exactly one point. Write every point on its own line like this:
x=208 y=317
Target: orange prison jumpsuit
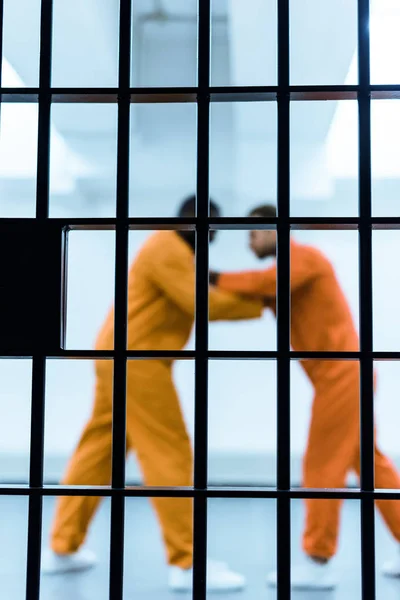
x=161 y=302
x=321 y=321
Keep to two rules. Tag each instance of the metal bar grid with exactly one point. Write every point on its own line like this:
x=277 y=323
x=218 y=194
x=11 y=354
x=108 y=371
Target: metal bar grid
x=203 y=94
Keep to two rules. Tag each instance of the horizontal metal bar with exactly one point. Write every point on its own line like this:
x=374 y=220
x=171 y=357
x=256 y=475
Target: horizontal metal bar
x=210 y=492
x=154 y=95
x=221 y=223
x=211 y=354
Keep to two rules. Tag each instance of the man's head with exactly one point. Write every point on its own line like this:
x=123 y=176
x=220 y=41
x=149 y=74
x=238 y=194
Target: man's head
x=263 y=241
x=188 y=209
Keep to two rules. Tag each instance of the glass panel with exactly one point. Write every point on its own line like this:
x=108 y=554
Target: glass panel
x=15 y=419
x=385 y=132
x=160 y=422
x=78 y=402
x=85 y=44
x=325 y=295
x=243 y=155
x=20 y=66
x=83 y=160
x=164 y=43
x=315 y=56
x=162 y=158
x=386 y=245
x=13 y=544
x=384 y=26
x=145 y=549
x=242 y=423
x=324 y=159
x=18 y=160
x=237 y=523
x=238 y=323
x=387 y=468
x=324 y=423
x=244 y=43
x=93 y=581
x=90 y=287
x=346 y=564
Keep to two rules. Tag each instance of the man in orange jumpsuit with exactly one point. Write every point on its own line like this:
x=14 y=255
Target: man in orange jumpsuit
x=320 y=321
x=161 y=309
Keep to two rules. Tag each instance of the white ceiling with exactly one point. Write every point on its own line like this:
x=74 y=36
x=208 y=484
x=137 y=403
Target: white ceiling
x=85 y=53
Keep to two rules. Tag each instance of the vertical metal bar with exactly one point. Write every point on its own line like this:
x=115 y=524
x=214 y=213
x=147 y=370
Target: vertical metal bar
x=121 y=299
x=1 y=50
x=39 y=357
x=283 y=305
x=201 y=359
x=64 y=286
x=366 y=312
x=1 y=38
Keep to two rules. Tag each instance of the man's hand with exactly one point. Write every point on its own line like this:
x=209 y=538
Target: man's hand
x=268 y=302
x=213 y=277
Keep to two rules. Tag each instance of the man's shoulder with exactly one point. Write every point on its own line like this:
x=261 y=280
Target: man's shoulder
x=312 y=254
x=159 y=246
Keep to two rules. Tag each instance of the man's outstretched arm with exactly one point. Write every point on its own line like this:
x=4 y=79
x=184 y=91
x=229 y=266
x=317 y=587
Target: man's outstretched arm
x=303 y=268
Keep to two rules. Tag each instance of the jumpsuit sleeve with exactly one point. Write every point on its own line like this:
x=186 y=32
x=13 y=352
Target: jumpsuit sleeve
x=264 y=283
x=175 y=276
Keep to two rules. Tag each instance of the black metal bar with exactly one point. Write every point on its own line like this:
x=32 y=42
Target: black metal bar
x=7 y=489
x=366 y=313
x=201 y=325
x=229 y=223
x=212 y=355
x=189 y=94
x=39 y=358
x=1 y=42
x=64 y=287
x=283 y=305
x=121 y=306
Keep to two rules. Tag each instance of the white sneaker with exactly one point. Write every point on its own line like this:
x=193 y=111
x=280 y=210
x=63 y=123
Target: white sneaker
x=391 y=568
x=310 y=576
x=54 y=564
x=219 y=578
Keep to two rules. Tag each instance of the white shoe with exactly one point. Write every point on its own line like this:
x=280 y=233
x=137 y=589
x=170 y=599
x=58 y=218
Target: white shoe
x=219 y=578
x=310 y=576
x=54 y=564
x=391 y=568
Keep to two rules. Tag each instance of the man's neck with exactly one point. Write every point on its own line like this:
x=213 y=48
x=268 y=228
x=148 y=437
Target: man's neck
x=189 y=237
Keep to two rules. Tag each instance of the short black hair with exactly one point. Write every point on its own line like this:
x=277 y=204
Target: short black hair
x=267 y=211
x=188 y=207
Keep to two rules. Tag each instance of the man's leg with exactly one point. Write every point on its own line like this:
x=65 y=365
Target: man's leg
x=386 y=477
x=156 y=429
x=332 y=440
x=89 y=465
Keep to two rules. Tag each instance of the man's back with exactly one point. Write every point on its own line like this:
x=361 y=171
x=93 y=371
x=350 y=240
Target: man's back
x=155 y=321
x=161 y=298
x=321 y=319
x=320 y=315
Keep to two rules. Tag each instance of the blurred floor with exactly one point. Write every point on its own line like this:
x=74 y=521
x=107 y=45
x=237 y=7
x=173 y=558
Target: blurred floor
x=240 y=531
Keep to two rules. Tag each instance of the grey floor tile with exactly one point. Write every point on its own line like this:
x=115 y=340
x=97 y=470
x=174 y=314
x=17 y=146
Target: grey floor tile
x=240 y=531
